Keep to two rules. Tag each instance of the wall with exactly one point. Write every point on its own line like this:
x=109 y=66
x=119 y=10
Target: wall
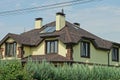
x=40 y=49
x=96 y=55
x=27 y=51
x=62 y=49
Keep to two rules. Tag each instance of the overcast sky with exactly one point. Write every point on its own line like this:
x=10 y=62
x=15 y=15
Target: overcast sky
x=100 y=17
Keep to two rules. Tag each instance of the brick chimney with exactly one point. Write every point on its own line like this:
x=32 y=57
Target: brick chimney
x=38 y=23
x=60 y=20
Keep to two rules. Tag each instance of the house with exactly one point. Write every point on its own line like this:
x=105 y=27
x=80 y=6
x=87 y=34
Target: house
x=60 y=41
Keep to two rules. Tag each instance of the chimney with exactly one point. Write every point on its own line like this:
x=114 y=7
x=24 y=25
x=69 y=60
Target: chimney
x=77 y=24
x=60 y=20
x=38 y=23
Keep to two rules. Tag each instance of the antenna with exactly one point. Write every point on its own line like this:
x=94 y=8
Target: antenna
x=63 y=11
x=24 y=29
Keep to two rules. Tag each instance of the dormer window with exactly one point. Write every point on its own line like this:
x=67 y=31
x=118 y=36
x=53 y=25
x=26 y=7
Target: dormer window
x=10 y=49
x=85 y=49
x=115 y=54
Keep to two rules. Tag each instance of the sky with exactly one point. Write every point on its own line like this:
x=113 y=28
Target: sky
x=100 y=17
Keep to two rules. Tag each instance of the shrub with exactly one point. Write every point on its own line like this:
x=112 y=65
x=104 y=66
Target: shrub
x=12 y=70
x=40 y=71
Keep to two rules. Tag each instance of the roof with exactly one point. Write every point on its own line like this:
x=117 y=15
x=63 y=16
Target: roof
x=68 y=34
x=47 y=57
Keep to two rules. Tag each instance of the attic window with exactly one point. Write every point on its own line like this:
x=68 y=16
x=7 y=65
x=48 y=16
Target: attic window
x=48 y=29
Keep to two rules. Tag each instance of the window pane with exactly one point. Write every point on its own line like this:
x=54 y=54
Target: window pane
x=10 y=49
x=85 y=49
x=48 y=29
x=115 y=54
x=14 y=49
x=7 y=49
x=52 y=46
x=48 y=47
x=56 y=47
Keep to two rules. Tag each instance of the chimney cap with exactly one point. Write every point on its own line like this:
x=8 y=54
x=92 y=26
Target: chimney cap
x=38 y=18
x=60 y=13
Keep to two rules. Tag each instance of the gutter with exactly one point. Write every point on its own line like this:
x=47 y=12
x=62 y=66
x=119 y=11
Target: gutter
x=109 y=58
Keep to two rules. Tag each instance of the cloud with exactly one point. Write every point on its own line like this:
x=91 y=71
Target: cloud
x=100 y=19
x=18 y=6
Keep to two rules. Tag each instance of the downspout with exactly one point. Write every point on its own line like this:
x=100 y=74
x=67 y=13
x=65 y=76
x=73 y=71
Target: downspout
x=109 y=58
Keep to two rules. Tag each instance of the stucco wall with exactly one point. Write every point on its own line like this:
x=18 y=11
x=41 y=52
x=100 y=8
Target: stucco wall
x=62 y=49
x=40 y=49
x=27 y=51
x=96 y=55
x=3 y=47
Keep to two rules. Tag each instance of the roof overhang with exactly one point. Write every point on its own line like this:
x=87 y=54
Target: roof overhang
x=9 y=35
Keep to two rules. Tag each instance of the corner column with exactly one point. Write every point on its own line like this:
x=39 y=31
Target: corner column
x=20 y=52
x=69 y=54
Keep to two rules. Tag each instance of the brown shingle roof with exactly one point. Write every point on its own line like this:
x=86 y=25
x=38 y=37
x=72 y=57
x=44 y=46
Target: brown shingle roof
x=47 y=57
x=68 y=34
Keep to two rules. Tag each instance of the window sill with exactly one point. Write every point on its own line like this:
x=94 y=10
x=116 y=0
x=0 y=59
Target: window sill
x=51 y=53
x=85 y=56
x=115 y=60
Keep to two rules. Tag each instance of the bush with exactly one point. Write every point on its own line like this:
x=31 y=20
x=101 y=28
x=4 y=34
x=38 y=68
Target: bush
x=13 y=70
x=40 y=71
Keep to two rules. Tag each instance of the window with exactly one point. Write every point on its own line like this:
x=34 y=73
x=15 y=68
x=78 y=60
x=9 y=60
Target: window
x=85 y=49
x=10 y=49
x=115 y=54
x=51 y=46
x=48 y=29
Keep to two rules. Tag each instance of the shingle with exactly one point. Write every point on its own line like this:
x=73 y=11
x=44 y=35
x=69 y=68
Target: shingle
x=68 y=34
x=47 y=57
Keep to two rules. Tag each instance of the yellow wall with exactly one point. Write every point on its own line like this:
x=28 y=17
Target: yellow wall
x=96 y=55
x=27 y=51
x=40 y=49
x=62 y=49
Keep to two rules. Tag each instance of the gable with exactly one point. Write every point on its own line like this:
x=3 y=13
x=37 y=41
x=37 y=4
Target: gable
x=10 y=40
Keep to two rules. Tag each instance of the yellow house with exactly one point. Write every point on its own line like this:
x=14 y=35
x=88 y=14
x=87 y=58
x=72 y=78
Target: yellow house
x=60 y=41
